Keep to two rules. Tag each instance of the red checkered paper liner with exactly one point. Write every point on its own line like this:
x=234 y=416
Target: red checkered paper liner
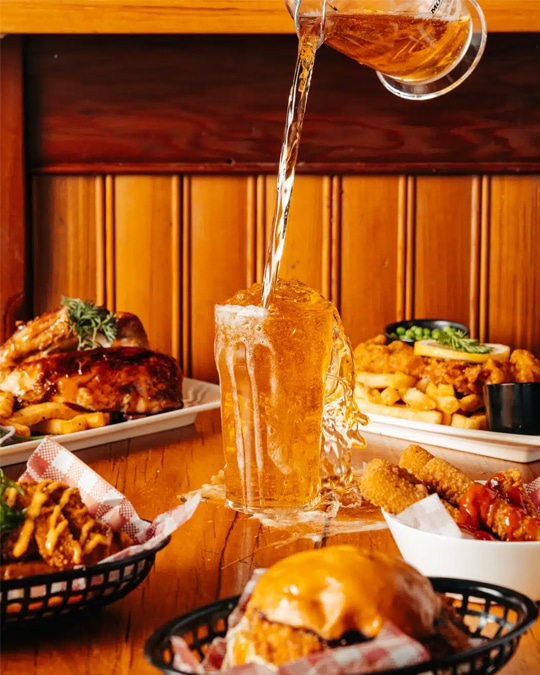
x=390 y=649
x=533 y=490
x=53 y=462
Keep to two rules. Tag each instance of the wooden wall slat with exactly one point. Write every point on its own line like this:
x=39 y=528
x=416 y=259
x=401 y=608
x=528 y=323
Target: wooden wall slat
x=220 y=248
x=372 y=208
x=445 y=222
x=145 y=260
x=65 y=239
x=382 y=247
x=307 y=250
x=13 y=234
x=514 y=253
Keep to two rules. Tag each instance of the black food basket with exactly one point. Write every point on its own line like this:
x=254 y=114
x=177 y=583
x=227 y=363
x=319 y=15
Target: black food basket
x=29 y=600
x=496 y=616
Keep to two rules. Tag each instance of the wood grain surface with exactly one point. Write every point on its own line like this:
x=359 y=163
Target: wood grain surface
x=180 y=104
x=210 y=557
x=13 y=231
x=208 y=16
x=381 y=247
x=153 y=161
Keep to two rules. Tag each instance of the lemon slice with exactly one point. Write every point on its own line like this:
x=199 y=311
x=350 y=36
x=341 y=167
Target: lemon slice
x=437 y=351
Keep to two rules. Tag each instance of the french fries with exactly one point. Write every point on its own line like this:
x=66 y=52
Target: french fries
x=402 y=412
x=414 y=398
x=476 y=421
x=50 y=418
x=39 y=412
x=384 y=380
x=7 y=401
x=20 y=429
x=418 y=400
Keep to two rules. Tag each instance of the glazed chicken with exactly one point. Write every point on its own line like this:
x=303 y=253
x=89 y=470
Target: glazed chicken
x=52 y=332
x=127 y=380
x=84 y=355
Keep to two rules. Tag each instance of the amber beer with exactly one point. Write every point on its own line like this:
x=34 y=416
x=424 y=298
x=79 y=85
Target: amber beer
x=401 y=45
x=272 y=367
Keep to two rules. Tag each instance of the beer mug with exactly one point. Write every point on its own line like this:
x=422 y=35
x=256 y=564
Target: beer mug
x=420 y=49
x=289 y=418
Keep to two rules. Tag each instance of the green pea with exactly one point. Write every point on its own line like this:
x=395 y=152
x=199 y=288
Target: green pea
x=400 y=330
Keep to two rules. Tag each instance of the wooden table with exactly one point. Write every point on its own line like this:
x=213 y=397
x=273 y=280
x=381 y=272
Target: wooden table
x=210 y=557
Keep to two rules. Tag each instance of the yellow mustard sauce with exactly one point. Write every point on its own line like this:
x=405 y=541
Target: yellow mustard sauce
x=39 y=497
x=56 y=528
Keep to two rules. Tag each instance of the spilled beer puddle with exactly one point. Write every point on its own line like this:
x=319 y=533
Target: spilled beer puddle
x=336 y=514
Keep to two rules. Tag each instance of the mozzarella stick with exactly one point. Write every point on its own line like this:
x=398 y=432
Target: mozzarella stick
x=413 y=459
x=386 y=485
x=444 y=479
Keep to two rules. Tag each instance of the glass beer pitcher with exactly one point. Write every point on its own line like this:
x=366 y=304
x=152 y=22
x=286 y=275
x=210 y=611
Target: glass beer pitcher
x=420 y=48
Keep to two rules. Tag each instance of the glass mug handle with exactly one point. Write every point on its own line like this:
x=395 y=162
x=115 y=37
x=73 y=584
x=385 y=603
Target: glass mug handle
x=425 y=11
x=342 y=419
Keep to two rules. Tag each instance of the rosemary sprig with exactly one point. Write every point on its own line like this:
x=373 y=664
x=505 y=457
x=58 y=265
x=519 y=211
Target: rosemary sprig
x=461 y=342
x=9 y=517
x=87 y=320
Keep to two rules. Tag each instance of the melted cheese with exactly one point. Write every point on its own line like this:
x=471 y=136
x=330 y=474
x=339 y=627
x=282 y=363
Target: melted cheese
x=341 y=588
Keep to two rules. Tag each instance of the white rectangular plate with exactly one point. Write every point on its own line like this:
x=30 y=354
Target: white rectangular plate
x=198 y=396
x=512 y=447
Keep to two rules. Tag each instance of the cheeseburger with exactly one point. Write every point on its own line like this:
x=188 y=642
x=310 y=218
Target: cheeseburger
x=337 y=596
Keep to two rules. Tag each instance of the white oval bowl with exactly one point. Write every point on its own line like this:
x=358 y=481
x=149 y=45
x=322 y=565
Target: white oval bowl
x=514 y=565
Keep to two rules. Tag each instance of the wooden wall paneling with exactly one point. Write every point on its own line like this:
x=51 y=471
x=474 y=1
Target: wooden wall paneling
x=13 y=269
x=222 y=238
x=372 y=251
x=446 y=225
x=67 y=239
x=307 y=248
x=513 y=262
x=191 y=102
x=147 y=260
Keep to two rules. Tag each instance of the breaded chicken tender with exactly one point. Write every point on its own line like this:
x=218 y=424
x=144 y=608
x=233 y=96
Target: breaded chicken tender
x=509 y=484
x=389 y=487
x=482 y=508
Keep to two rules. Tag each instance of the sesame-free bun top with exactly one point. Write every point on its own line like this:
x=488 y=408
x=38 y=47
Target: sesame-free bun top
x=337 y=589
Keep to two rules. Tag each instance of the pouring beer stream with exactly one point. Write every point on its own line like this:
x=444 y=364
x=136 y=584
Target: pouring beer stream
x=285 y=363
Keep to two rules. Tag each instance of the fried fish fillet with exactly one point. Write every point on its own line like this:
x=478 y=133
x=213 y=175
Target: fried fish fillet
x=374 y=356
